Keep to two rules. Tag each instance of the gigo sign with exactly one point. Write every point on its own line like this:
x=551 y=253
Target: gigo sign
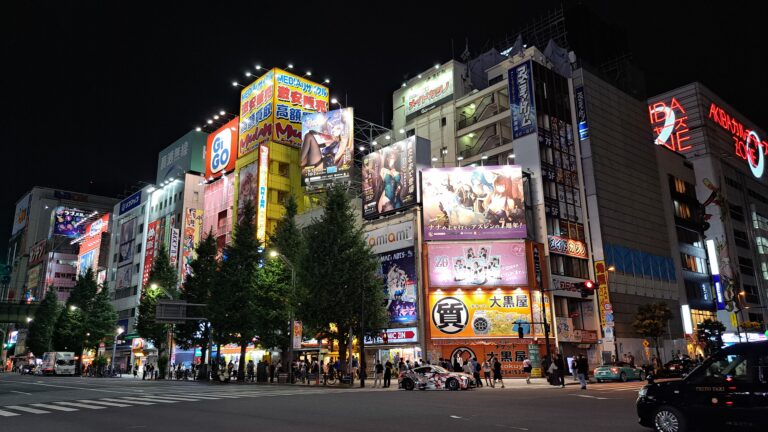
x=221 y=150
x=747 y=143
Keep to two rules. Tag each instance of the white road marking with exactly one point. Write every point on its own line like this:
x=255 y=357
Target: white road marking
x=26 y=409
x=54 y=407
x=197 y=396
x=590 y=397
x=455 y=417
x=149 y=399
x=7 y=414
x=81 y=388
x=178 y=398
x=20 y=392
x=80 y=405
x=128 y=401
x=112 y=404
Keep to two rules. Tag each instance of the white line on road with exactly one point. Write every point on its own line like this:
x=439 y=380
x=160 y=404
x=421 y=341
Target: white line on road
x=80 y=405
x=195 y=396
x=590 y=397
x=455 y=417
x=128 y=401
x=7 y=414
x=54 y=407
x=178 y=398
x=149 y=399
x=112 y=404
x=19 y=392
x=26 y=409
x=512 y=427
x=80 y=388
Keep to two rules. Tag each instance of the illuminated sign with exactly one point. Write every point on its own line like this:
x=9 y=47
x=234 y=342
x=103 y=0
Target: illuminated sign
x=714 y=270
x=581 y=113
x=460 y=314
x=390 y=237
x=221 y=150
x=149 y=251
x=130 y=203
x=37 y=252
x=21 y=214
x=69 y=222
x=394 y=336
x=430 y=92
x=193 y=220
x=327 y=147
x=256 y=114
x=398 y=270
x=604 y=300
x=89 y=248
x=521 y=100
x=477 y=264
x=670 y=125
x=261 y=217
x=567 y=246
x=747 y=143
x=173 y=251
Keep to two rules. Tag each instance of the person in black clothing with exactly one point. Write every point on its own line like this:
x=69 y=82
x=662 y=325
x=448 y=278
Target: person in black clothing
x=560 y=372
x=457 y=365
x=582 y=367
x=497 y=372
x=387 y=373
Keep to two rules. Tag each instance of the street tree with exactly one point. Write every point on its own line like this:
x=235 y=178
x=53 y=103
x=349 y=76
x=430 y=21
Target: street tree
x=198 y=289
x=338 y=276
x=273 y=285
x=40 y=336
x=710 y=333
x=161 y=284
x=233 y=308
x=651 y=322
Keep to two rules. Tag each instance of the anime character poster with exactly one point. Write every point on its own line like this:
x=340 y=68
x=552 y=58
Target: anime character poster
x=247 y=187
x=389 y=179
x=398 y=268
x=69 y=222
x=327 y=147
x=477 y=264
x=473 y=203
x=192 y=222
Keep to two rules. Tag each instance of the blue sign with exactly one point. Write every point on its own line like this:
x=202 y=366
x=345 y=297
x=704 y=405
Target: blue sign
x=581 y=114
x=719 y=295
x=130 y=203
x=521 y=100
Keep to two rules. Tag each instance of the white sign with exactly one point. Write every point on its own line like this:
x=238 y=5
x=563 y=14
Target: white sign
x=394 y=336
x=21 y=215
x=433 y=90
x=390 y=237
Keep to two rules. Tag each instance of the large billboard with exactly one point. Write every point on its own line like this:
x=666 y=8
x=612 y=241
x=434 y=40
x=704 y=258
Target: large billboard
x=389 y=176
x=248 y=187
x=430 y=92
x=398 y=267
x=69 y=222
x=479 y=314
x=327 y=148
x=21 y=215
x=295 y=97
x=217 y=214
x=390 y=236
x=477 y=264
x=88 y=256
x=185 y=154
x=256 y=115
x=153 y=239
x=193 y=221
x=473 y=203
x=221 y=150
x=521 y=100
x=127 y=234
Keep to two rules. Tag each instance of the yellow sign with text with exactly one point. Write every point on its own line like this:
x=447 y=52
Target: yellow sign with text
x=461 y=314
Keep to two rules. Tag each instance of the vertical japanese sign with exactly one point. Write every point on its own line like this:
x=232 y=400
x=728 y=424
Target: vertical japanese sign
x=174 y=249
x=604 y=305
x=294 y=98
x=581 y=113
x=21 y=214
x=297 y=334
x=149 y=252
x=256 y=116
x=261 y=216
x=521 y=100
x=193 y=220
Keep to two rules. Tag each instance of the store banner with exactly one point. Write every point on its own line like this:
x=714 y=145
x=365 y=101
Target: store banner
x=390 y=236
x=477 y=264
x=174 y=249
x=149 y=254
x=461 y=314
x=297 y=334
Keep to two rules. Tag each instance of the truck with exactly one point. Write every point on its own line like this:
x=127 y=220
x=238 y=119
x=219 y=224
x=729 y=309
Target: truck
x=58 y=363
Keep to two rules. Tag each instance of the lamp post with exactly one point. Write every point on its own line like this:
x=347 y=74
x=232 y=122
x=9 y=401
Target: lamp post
x=119 y=331
x=286 y=261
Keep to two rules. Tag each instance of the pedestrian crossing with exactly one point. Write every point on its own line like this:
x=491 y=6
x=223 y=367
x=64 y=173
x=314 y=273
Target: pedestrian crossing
x=148 y=399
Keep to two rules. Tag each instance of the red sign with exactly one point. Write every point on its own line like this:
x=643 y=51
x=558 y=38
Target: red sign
x=37 y=252
x=149 y=255
x=221 y=150
x=567 y=246
x=670 y=125
x=747 y=144
x=93 y=232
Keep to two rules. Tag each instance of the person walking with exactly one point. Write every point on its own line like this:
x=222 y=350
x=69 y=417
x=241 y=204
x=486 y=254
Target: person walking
x=476 y=367
x=583 y=369
x=560 y=371
x=377 y=373
x=497 y=372
x=387 y=373
x=527 y=368
x=249 y=370
x=574 y=370
x=487 y=374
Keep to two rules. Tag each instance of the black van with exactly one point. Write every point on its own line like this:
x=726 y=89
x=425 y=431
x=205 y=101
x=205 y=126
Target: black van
x=729 y=388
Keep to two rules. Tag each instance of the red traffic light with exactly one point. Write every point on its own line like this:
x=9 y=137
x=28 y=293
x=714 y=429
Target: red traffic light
x=589 y=284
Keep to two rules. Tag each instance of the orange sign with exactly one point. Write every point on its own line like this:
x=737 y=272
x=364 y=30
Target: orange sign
x=463 y=314
x=221 y=150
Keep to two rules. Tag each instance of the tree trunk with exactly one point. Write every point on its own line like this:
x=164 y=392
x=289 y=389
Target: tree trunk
x=241 y=363
x=343 y=353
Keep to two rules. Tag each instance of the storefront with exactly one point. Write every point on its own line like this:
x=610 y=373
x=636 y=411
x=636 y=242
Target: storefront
x=393 y=345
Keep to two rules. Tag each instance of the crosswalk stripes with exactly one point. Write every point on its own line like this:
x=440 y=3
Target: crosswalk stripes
x=149 y=399
x=127 y=401
x=110 y=404
x=26 y=409
x=80 y=405
x=7 y=414
x=53 y=407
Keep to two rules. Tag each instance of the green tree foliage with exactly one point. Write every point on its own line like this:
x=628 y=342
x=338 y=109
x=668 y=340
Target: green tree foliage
x=161 y=284
x=338 y=275
x=198 y=289
x=273 y=285
x=710 y=333
x=651 y=322
x=40 y=338
x=233 y=306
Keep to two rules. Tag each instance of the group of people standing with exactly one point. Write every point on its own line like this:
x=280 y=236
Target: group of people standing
x=556 y=368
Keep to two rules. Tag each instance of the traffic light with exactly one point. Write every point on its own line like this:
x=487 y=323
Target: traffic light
x=587 y=288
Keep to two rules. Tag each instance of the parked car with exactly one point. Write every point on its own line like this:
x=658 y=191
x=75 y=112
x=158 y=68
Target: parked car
x=729 y=389
x=676 y=368
x=618 y=371
x=58 y=363
x=432 y=377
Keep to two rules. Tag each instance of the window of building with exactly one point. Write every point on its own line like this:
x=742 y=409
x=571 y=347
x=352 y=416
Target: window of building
x=410 y=132
x=751 y=293
x=737 y=212
x=494 y=80
x=679 y=185
x=746 y=266
x=688 y=237
x=138 y=248
x=756 y=317
x=760 y=221
x=740 y=238
x=732 y=183
x=282 y=197
x=762 y=245
x=141 y=228
x=692 y=263
x=698 y=316
x=682 y=210
x=444 y=121
x=283 y=169
x=137 y=268
x=764 y=270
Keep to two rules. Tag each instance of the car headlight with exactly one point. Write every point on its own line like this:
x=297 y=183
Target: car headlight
x=643 y=391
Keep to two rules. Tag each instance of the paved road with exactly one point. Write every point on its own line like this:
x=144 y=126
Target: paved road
x=88 y=404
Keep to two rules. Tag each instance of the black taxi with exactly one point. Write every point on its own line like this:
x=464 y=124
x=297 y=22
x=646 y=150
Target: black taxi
x=729 y=389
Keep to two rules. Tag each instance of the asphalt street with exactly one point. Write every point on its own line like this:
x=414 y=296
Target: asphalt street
x=92 y=404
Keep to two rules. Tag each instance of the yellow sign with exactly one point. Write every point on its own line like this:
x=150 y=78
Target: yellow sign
x=256 y=114
x=646 y=343
x=261 y=208
x=461 y=314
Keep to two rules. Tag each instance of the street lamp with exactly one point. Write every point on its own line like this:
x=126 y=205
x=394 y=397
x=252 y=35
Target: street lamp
x=118 y=332
x=276 y=254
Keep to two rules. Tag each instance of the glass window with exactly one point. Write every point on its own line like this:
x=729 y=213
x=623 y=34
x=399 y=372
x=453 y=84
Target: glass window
x=682 y=210
x=762 y=245
x=725 y=368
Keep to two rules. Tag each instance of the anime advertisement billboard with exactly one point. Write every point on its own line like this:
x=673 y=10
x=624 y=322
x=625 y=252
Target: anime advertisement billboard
x=247 y=187
x=327 y=148
x=473 y=203
x=477 y=264
x=398 y=268
x=69 y=222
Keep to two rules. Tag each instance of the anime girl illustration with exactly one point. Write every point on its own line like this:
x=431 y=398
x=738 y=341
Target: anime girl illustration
x=501 y=202
x=329 y=143
x=481 y=189
x=391 y=177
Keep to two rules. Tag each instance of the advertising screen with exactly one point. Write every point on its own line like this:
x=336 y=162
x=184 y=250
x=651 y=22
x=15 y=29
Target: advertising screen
x=389 y=179
x=431 y=91
x=473 y=203
x=89 y=248
x=68 y=222
x=86 y=261
x=221 y=150
x=485 y=314
x=327 y=147
x=295 y=97
x=521 y=100
x=398 y=268
x=248 y=187
x=477 y=264
x=256 y=116
x=21 y=214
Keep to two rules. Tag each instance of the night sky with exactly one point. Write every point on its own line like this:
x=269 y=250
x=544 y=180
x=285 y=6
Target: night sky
x=91 y=91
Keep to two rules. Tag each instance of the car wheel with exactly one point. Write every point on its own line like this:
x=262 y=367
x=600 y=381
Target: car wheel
x=452 y=384
x=668 y=419
x=623 y=377
x=408 y=384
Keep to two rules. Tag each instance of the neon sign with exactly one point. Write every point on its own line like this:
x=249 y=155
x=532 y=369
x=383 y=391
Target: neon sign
x=670 y=125
x=747 y=143
x=261 y=216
